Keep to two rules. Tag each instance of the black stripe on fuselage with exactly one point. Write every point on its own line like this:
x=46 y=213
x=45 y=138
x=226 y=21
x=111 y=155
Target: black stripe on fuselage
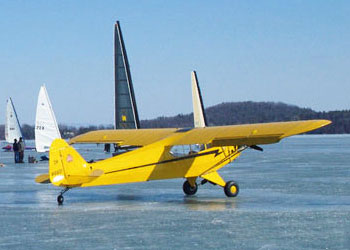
x=216 y=152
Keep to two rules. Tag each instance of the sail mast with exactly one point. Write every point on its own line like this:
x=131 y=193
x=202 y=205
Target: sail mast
x=125 y=110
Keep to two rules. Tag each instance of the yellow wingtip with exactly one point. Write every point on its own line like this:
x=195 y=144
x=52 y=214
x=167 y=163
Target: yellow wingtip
x=319 y=124
x=326 y=122
x=306 y=126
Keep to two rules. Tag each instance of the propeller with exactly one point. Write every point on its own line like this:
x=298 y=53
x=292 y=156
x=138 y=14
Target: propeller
x=255 y=147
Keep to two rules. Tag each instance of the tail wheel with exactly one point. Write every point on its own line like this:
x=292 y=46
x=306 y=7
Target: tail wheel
x=60 y=199
x=188 y=189
x=231 y=189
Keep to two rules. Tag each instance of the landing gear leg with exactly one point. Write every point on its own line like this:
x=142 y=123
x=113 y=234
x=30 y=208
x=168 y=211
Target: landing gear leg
x=60 y=197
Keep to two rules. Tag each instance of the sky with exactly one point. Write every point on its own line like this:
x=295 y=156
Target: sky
x=296 y=52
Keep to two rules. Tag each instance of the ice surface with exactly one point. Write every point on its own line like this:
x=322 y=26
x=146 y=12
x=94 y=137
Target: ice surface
x=294 y=195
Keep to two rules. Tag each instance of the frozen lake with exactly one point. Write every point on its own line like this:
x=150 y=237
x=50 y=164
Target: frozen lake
x=294 y=195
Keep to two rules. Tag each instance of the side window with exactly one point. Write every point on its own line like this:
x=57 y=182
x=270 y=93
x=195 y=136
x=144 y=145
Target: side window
x=177 y=150
x=194 y=148
x=183 y=150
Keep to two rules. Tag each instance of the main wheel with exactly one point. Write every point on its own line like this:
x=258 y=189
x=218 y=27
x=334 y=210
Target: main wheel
x=60 y=199
x=231 y=189
x=188 y=189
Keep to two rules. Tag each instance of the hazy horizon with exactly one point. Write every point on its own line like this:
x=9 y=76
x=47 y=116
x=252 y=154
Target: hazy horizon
x=77 y=124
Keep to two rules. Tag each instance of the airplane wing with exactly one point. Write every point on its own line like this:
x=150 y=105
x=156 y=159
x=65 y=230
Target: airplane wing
x=130 y=137
x=247 y=134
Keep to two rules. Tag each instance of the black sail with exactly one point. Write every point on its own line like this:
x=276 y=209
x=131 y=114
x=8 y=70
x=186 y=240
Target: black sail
x=126 y=116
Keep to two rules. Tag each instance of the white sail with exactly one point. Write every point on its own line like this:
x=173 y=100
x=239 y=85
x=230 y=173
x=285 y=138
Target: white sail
x=199 y=117
x=46 y=129
x=12 y=127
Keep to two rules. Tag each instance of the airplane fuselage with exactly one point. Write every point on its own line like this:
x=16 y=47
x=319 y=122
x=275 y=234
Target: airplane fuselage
x=154 y=162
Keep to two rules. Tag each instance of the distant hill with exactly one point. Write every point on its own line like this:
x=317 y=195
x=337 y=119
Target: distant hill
x=228 y=113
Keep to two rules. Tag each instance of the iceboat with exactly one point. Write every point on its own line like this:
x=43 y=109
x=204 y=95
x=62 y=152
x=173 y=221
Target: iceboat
x=46 y=128
x=125 y=109
x=12 y=125
x=199 y=116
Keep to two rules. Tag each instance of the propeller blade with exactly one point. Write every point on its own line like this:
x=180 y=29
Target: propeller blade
x=256 y=148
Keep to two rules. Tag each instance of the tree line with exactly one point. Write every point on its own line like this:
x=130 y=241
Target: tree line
x=228 y=113
x=231 y=113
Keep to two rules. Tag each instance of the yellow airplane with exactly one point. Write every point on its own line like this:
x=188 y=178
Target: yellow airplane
x=165 y=153
x=157 y=154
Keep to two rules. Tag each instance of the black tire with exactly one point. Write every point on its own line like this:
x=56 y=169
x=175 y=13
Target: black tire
x=231 y=189
x=60 y=199
x=188 y=189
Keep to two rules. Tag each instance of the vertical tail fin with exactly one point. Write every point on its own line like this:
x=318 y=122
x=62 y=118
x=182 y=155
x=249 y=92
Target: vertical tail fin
x=67 y=167
x=199 y=117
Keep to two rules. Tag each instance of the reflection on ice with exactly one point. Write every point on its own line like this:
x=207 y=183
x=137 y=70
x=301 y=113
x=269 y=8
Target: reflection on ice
x=210 y=204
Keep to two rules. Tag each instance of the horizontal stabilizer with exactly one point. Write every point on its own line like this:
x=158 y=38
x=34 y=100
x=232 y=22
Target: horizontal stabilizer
x=43 y=179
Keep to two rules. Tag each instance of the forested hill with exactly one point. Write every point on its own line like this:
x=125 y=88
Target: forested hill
x=257 y=112
x=227 y=114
